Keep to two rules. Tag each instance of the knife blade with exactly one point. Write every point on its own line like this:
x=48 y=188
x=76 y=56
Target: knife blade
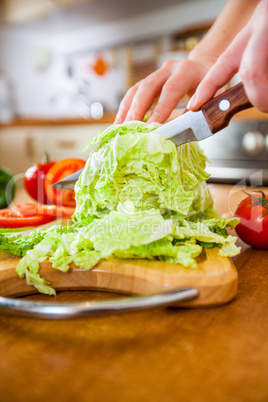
x=68 y=182
x=212 y=117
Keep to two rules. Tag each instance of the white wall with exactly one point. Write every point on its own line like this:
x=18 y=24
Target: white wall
x=155 y=23
x=33 y=89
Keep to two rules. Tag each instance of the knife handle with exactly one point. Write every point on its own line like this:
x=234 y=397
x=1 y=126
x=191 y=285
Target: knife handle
x=219 y=110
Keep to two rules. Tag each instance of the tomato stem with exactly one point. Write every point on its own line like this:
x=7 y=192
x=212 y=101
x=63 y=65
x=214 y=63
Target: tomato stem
x=258 y=201
x=45 y=158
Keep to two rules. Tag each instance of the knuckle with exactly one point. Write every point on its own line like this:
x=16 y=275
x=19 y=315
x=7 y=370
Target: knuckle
x=121 y=109
x=135 y=86
x=178 y=67
x=262 y=107
x=169 y=64
x=209 y=82
x=121 y=105
x=135 y=106
x=151 y=79
x=145 y=84
x=259 y=101
x=162 y=108
x=227 y=64
x=249 y=74
x=255 y=80
x=171 y=86
x=131 y=90
x=186 y=65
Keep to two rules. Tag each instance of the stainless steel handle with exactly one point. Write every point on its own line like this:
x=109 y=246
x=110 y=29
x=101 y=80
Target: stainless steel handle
x=77 y=310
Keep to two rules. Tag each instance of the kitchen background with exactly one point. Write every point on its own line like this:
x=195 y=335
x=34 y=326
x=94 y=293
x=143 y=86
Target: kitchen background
x=66 y=64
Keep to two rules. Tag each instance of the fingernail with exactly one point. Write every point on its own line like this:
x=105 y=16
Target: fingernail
x=153 y=117
x=118 y=119
x=191 y=102
x=129 y=117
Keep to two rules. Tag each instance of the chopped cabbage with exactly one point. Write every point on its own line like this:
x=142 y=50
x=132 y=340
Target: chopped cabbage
x=139 y=196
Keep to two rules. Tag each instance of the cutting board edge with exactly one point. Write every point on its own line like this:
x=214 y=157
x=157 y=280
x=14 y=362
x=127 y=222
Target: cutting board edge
x=216 y=289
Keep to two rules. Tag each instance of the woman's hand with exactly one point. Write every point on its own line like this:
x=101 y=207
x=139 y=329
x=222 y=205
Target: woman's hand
x=177 y=78
x=172 y=81
x=248 y=55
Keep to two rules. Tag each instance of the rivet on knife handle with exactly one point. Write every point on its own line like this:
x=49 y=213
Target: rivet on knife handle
x=219 y=110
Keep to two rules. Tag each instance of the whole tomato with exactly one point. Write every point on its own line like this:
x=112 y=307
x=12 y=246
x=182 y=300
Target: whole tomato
x=253 y=214
x=34 y=181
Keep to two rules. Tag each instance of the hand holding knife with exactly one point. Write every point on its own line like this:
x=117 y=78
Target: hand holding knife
x=212 y=117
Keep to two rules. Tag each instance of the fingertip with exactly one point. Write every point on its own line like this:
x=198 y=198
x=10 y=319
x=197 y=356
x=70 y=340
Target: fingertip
x=154 y=118
x=128 y=118
x=118 y=120
x=132 y=115
x=192 y=103
x=159 y=117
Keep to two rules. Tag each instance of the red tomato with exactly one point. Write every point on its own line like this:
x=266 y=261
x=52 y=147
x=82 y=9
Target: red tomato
x=12 y=218
x=253 y=214
x=30 y=209
x=58 y=171
x=34 y=181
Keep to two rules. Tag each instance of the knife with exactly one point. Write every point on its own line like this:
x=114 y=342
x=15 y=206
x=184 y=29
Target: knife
x=212 y=117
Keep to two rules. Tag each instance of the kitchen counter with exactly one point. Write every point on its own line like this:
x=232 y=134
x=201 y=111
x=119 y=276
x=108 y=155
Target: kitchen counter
x=108 y=118
x=28 y=122
x=208 y=354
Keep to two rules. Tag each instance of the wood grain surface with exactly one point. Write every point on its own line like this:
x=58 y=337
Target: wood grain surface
x=218 y=119
x=108 y=118
x=217 y=354
x=215 y=277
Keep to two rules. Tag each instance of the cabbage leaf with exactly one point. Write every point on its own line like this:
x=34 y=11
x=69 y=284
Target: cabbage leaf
x=139 y=196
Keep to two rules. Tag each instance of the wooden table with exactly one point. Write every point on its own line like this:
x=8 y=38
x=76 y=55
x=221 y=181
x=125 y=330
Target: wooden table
x=212 y=354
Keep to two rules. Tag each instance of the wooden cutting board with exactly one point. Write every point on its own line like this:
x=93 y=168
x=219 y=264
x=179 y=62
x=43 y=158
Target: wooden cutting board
x=215 y=278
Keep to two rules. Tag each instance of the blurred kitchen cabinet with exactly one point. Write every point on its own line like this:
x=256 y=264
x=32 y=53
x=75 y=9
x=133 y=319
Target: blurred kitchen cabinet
x=21 y=147
x=187 y=39
x=141 y=59
x=20 y=11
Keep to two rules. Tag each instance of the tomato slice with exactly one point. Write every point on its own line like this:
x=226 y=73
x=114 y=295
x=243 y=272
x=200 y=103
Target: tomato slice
x=12 y=218
x=58 y=171
x=30 y=209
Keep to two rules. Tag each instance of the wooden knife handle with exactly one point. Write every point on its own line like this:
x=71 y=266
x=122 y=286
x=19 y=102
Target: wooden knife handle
x=219 y=110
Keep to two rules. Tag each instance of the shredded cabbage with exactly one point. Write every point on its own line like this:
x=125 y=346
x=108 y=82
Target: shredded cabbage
x=138 y=197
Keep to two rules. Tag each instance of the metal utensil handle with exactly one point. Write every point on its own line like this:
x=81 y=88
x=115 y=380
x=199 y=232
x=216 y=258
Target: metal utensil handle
x=76 y=310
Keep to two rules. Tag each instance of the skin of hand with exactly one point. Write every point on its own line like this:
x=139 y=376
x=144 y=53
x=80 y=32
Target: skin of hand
x=248 y=55
x=177 y=78
x=166 y=81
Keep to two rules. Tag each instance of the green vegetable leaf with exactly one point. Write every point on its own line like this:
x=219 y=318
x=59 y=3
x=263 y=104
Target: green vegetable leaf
x=139 y=196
